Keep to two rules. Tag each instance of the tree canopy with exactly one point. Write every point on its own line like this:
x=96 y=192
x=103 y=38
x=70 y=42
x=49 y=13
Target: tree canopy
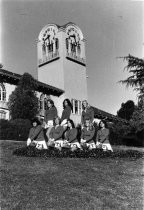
x=135 y=66
x=23 y=102
x=126 y=110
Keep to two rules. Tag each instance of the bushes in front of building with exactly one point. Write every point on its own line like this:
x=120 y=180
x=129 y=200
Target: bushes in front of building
x=23 y=102
x=17 y=129
x=120 y=133
x=117 y=131
x=23 y=106
x=126 y=134
x=134 y=139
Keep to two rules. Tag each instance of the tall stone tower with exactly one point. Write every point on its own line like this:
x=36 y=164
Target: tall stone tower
x=62 y=63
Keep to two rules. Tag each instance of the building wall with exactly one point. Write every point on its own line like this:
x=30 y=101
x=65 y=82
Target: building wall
x=51 y=73
x=64 y=73
x=54 y=46
x=57 y=102
x=75 y=86
x=4 y=111
x=75 y=80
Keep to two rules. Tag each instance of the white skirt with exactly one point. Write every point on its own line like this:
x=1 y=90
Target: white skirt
x=105 y=146
x=91 y=145
x=39 y=144
x=75 y=145
x=58 y=143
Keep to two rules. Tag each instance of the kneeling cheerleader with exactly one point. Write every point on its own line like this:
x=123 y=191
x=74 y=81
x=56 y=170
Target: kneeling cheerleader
x=71 y=136
x=55 y=135
x=102 y=139
x=87 y=135
x=36 y=135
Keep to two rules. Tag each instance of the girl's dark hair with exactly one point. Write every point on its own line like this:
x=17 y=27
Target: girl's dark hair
x=36 y=120
x=55 y=119
x=69 y=103
x=51 y=101
x=72 y=123
x=104 y=122
x=83 y=105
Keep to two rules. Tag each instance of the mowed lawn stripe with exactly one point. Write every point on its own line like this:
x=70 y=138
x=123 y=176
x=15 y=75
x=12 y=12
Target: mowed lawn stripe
x=69 y=183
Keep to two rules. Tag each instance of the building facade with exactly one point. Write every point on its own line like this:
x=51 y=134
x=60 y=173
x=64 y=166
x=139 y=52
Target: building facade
x=5 y=90
x=62 y=63
x=61 y=72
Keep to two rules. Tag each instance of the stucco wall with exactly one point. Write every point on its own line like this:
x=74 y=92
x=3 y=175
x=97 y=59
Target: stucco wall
x=75 y=83
x=3 y=104
x=52 y=72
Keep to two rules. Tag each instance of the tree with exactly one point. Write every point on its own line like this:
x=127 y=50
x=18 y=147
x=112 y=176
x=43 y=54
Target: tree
x=23 y=102
x=136 y=80
x=137 y=120
x=126 y=110
x=135 y=66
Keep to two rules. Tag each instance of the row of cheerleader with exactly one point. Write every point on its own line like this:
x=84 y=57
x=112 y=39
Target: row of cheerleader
x=61 y=132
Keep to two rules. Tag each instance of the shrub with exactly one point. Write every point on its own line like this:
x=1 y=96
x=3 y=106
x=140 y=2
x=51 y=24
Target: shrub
x=140 y=137
x=31 y=151
x=117 y=131
x=17 y=129
x=23 y=102
x=4 y=123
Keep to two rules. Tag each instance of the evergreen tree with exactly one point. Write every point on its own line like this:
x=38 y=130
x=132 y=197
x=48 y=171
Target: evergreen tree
x=137 y=120
x=126 y=110
x=135 y=66
x=23 y=102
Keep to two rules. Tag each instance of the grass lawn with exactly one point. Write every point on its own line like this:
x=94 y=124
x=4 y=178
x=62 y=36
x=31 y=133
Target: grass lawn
x=69 y=183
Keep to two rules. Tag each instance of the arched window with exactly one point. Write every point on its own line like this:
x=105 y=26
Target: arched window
x=57 y=43
x=77 y=106
x=2 y=92
x=67 y=45
x=2 y=114
x=78 y=49
x=80 y=107
x=43 y=101
x=73 y=105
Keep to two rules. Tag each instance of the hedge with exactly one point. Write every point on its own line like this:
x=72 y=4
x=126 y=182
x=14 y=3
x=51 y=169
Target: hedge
x=15 y=129
x=95 y=153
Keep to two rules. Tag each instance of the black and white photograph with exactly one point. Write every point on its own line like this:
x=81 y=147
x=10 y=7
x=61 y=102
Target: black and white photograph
x=72 y=104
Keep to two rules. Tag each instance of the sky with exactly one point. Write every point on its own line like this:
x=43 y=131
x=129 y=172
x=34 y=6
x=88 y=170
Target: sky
x=112 y=29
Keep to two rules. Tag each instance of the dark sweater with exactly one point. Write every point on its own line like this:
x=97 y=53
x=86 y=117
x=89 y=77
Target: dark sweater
x=50 y=114
x=36 y=133
x=71 y=135
x=56 y=132
x=87 y=114
x=66 y=113
x=88 y=135
x=103 y=135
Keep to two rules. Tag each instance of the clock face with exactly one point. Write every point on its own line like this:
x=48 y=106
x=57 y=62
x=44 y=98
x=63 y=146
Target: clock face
x=49 y=34
x=73 y=34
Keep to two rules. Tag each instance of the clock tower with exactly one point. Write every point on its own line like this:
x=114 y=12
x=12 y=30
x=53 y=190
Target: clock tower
x=62 y=63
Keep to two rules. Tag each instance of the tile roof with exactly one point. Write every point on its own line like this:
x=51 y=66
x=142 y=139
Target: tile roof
x=13 y=78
